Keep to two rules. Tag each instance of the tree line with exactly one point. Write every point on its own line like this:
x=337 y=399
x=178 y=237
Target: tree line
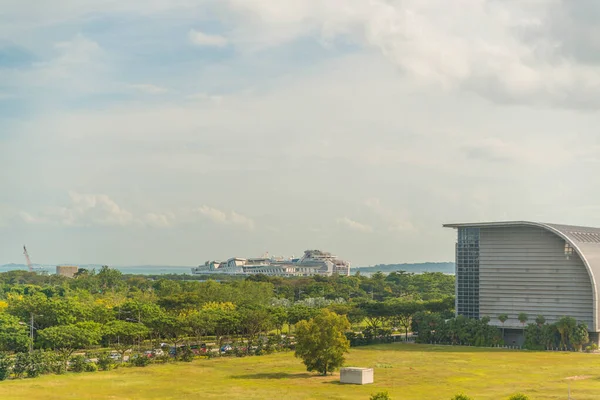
x=47 y=320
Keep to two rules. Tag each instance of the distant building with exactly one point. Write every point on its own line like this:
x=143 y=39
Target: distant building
x=67 y=270
x=527 y=267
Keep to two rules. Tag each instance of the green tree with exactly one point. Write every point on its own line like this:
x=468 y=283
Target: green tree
x=377 y=313
x=380 y=396
x=461 y=396
x=502 y=318
x=518 y=396
x=403 y=311
x=523 y=317
x=123 y=334
x=540 y=320
x=321 y=343
x=580 y=336
x=565 y=327
x=65 y=339
x=279 y=317
x=109 y=279
x=173 y=329
x=253 y=321
x=200 y=323
x=14 y=335
x=6 y=364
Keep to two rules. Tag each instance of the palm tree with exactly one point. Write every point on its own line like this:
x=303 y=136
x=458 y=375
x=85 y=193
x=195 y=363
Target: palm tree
x=540 y=320
x=565 y=327
x=502 y=318
x=523 y=317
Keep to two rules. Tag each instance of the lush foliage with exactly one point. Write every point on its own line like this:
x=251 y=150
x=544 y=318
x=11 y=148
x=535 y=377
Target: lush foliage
x=380 y=396
x=433 y=328
x=137 y=315
x=518 y=396
x=565 y=334
x=321 y=343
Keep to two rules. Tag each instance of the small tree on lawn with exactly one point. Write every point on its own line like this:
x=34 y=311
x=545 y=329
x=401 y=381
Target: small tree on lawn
x=380 y=396
x=461 y=396
x=65 y=339
x=518 y=396
x=523 y=317
x=321 y=342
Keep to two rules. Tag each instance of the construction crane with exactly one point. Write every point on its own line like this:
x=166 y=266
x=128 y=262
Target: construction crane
x=29 y=264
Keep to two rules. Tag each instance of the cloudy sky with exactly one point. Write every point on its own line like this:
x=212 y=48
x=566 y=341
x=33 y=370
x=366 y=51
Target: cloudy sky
x=174 y=131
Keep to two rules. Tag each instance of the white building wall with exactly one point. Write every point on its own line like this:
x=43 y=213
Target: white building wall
x=525 y=269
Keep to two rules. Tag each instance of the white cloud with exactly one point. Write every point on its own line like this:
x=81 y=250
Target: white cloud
x=226 y=218
x=147 y=88
x=478 y=46
x=158 y=220
x=84 y=210
x=354 y=225
x=204 y=39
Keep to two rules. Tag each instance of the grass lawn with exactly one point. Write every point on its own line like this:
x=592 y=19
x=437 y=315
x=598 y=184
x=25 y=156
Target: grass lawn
x=407 y=371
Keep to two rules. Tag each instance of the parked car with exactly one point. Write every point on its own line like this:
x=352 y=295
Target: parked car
x=158 y=352
x=198 y=348
x=226 y=348
x=115 y=356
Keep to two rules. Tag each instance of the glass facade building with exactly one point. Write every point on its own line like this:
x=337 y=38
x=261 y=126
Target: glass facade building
x=467 y=272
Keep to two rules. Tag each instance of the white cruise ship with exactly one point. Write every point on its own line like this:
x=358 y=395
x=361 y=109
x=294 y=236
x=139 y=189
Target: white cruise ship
x=313 y=262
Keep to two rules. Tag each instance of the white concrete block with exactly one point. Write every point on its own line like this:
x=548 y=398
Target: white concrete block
x=357 y=376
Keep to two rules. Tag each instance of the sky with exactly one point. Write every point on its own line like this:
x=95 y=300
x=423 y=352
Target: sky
x=171 y=132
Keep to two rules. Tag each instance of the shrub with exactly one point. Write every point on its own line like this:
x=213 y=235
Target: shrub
x=6 y=364
x=20 y=364
x=461 y=396
x=105 y=363
x=78 y=363
x=37 y=364
x=518 y=396
x=187 y=354
x=209 y=352
x=91 y=367
x=380 y=396
x=140 y=360
x=165 y=358
x=32 y=364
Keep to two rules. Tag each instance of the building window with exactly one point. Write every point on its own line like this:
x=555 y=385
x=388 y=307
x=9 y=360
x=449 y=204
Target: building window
x=467 y=272
x=569 y=251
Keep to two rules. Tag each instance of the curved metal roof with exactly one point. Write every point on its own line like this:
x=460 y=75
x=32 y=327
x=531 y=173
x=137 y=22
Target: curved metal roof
x=585 y=241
